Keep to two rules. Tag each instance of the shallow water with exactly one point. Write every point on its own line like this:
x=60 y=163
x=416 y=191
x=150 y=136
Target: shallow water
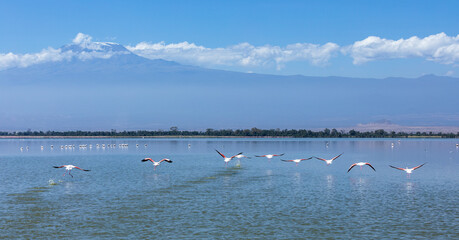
x=196 y=196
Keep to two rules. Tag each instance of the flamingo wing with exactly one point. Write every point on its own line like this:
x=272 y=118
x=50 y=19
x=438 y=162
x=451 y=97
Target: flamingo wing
x=418 y=166
x=321 y=159
x=286 y=160
x=278 y=155
x=304 y=159
x=220 y=153
x=370 y=166
x=82 y=169
x=337 y=156
x=166 y=159
x=58 y=166
x=397 y=168
x=260 y=156
x=147 y=159
x=236 y=155
x=353 y=165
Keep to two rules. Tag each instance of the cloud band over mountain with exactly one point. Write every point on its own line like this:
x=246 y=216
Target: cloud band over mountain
x=439 y=48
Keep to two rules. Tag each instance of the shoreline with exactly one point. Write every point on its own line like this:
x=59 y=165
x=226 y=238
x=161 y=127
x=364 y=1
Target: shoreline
x=96 y=137
x=184 y=136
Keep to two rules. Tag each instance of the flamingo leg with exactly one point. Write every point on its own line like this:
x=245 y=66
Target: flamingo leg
x=296 y=164
x=70 y=174
x=154 y=169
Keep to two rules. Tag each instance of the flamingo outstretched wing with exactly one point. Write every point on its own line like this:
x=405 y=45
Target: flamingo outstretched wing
x=147 y=159
x=166 y=159
x=220 y=153
x=82 y=169
x=397 y=168
x=370 y=166
x=337 y=156
x=236 y=155
x=418 y=166
x=352 y=166
x=286 y=160
x=320 y=159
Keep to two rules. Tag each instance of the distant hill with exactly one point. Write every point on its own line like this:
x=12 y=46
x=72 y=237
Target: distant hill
x=120 y=90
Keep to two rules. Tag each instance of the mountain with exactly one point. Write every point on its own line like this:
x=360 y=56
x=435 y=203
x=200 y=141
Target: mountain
x=104 y=86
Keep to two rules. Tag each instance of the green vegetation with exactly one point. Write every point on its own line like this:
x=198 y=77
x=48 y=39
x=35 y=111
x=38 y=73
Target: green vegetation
x=254 y=132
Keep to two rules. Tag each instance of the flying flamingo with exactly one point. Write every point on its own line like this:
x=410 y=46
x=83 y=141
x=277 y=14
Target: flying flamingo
x=239 y=156
x=329 y=161
x=361 y=164
x=156 y=163
x=408 y=170
x=228 y=159
x=297 y=160
x=269 y=156
x=69 y=168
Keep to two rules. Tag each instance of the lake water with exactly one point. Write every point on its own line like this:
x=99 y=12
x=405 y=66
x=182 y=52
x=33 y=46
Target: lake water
x=196 y=196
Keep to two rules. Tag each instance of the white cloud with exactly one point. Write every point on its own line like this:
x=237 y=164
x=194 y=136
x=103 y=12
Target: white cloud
x=82 y=39
x=439 y=48
x=10 y=60
x=84 y=49
x=243 y=54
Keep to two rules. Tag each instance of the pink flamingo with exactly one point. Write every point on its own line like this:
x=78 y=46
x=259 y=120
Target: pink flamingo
x=227 y=159
x=408 y=170
x=297 y=160
x=329 y=161
x=156 y=163
x=69 y=168
x=361 y=164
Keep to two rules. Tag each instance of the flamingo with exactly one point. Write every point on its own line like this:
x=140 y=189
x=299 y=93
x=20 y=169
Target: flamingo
x=329 y=161
x=361 y=164
x=239 y=156
x=408 y=170
x=69 y=168
x=297 y=160
x=156 y=163
x=269 y=156
x=227 y=159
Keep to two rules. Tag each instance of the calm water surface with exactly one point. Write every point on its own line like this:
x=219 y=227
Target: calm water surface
x=197 y=197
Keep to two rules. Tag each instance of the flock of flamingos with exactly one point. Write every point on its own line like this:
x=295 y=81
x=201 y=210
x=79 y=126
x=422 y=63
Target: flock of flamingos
x=68 y=168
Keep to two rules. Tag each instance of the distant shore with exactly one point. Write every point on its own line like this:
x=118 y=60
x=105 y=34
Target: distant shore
x=143 y=137
x=96 y=137
x=227 y=133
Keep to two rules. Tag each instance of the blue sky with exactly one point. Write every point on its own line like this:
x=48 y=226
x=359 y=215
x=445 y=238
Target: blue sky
x=28 y=27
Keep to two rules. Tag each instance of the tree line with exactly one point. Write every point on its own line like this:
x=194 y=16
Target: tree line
x=254 y=132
